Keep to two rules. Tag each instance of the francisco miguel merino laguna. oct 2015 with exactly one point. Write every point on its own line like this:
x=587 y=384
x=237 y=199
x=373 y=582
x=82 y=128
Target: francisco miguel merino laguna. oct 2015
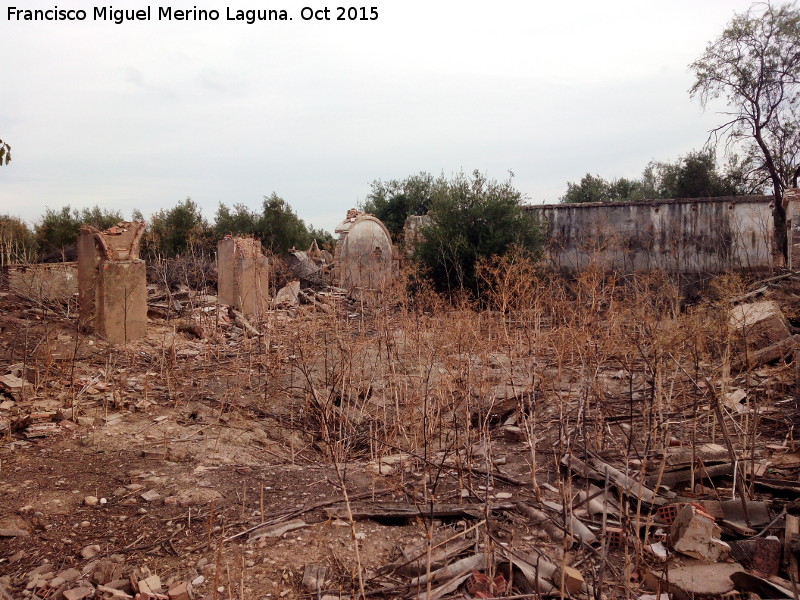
x=168 y=13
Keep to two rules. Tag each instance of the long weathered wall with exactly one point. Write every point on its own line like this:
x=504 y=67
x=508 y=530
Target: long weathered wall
x=49 y=282
x=684 y=236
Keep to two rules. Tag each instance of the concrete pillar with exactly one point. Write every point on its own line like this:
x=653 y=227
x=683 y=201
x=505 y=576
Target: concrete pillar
x=112 y=282
x=242 y=275
x=791 y=201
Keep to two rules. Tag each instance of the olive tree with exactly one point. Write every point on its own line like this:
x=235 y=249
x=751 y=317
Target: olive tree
x=473 y=218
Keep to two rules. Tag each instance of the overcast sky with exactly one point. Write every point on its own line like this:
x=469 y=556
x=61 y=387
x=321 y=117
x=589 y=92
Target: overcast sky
x=144 y=114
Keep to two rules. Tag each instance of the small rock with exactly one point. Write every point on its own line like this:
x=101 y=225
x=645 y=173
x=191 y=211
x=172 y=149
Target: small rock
x=199 y=580
x=379 y=468
x=151 y=585
x=90 y=501
x=13 y=533
x=90 y=551
x=150 y=496
x=179 y=591
x=79 y=593
x=69 y=575
x=512 y=433
x=573 y=580
x=123 y=585
x=111 y=593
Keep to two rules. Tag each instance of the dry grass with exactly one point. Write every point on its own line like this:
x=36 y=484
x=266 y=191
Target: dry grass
x=589 y=367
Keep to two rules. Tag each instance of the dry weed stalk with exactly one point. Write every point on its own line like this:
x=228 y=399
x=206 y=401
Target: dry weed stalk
x=594 y=366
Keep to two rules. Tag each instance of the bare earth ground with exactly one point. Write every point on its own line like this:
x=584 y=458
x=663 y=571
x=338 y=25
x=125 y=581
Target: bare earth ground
x=169 y=452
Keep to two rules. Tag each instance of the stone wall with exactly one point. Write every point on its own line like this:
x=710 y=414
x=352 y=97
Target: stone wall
x=683 y=236
x=43 y=282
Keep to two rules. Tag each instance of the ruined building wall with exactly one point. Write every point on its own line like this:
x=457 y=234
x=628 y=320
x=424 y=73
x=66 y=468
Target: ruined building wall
x=112 y=286
x=364 y=257
x=243 y=275
x=46 y=282
x=684 y=236
x=791 y=200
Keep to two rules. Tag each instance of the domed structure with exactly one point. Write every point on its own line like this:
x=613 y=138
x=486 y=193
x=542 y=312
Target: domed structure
x=363 y=257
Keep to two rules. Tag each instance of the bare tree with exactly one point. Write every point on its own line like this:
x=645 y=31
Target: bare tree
x=755 y=66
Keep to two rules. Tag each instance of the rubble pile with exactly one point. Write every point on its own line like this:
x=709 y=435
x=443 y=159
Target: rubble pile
x=106 y=579
x=325 y=449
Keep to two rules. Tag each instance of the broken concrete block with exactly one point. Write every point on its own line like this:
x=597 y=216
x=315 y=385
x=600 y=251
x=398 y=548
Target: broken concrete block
x=151 y=585
x=733 y=400
x=695 y=534
x=758 y=325
x=288 y=295
x=657 y=551
x=512 y=433
x=573 y=580
x=693 y=579
x=16 y=387
x=758 y=554
x=79 y=593
x=179 y=591
x=379 y=469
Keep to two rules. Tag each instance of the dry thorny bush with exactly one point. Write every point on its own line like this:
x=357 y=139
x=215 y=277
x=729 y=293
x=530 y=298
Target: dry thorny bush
x=422 y=378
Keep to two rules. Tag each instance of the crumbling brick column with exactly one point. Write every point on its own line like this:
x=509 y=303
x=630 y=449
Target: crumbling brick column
x=242 y=275
x=112 y=282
